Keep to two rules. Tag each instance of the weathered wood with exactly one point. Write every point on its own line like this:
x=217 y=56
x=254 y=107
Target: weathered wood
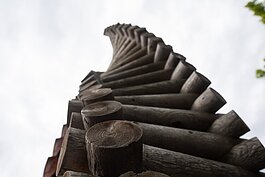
x=177 y=164
x=250 y=154
x=132 y=52
x=88 y=75
x=230 y=125
x=144 y=38
x=173 y=100
x=76 y=121
x=64 y=129
x=177 y=118
x=182 y=71
x=162 y=52
x=190 y=142
x=137 y=34
x=87 y=91
x=173 y=60
x=152 y=43
x=96 y=95
x=77 y=174
x=89 y=84
x=73 y=106
x=140 y=52
x=146 y=59
x=130 y=31
x=209 y=101
x=135 y=71
x=151 y=77
x=152 y=88
x=114 y=147
x=50 y=167
x=73 y=154
x=144 y=174
x=101 y=111
x=57 y=147
x=196 y=83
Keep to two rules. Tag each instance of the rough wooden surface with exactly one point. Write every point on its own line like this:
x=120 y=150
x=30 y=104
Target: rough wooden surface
x=152 y=88
x=151 y=77
x=182 y=71
x=209 y=101
x=178 y=101
x=173 y=60
x=73 y=106
x=230 y=125
x=178 y=118
x=135 y=71
x=57 y=147
x=101 y=111
x=97 y=95
x=50 y=167
x=145 y=59
x=177 y=164
x=196 y=83
x=73 y=154
x=190 y=142
x=250 y=154
x=114 y=147
x=77 y=121
x=162 y=52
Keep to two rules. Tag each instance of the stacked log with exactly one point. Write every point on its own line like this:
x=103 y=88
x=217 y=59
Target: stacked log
x=176 y=127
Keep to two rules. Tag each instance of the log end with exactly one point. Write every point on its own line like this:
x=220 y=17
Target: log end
x=117 y=143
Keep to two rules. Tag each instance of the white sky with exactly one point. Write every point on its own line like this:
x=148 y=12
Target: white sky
x=48 y=46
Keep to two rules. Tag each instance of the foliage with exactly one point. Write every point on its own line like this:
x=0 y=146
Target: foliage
x=259 y=10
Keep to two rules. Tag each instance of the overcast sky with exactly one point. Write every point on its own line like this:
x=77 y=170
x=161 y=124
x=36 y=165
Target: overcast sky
x=48 y=46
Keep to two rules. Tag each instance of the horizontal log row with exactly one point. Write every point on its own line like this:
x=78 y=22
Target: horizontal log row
x=169 y=101
x=111 y=134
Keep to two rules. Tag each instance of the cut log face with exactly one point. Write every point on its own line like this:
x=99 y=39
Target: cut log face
x=64 y=129
x=196 y=83
x=209 y=101
x=250 y=154
x=97 y=95
x=76 y=121
x=144 y=174
x=73 y=106
x=173 y=60
x=230 y=125
x=101 y=111
x=50 y=167
x=162 y=52
x=114 y=147
x=182 y=71
x=57 y=147
x=73 y=152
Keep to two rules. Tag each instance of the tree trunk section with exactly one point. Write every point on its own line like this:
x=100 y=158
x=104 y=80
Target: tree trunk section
x=101 y=111
x=209 y=101
x=73 y=154
x=149 y=89
x=114 y=147
x=177 y=164
x=190 y=142
x=177 y=118
x=177 y=101
x=250 y=154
